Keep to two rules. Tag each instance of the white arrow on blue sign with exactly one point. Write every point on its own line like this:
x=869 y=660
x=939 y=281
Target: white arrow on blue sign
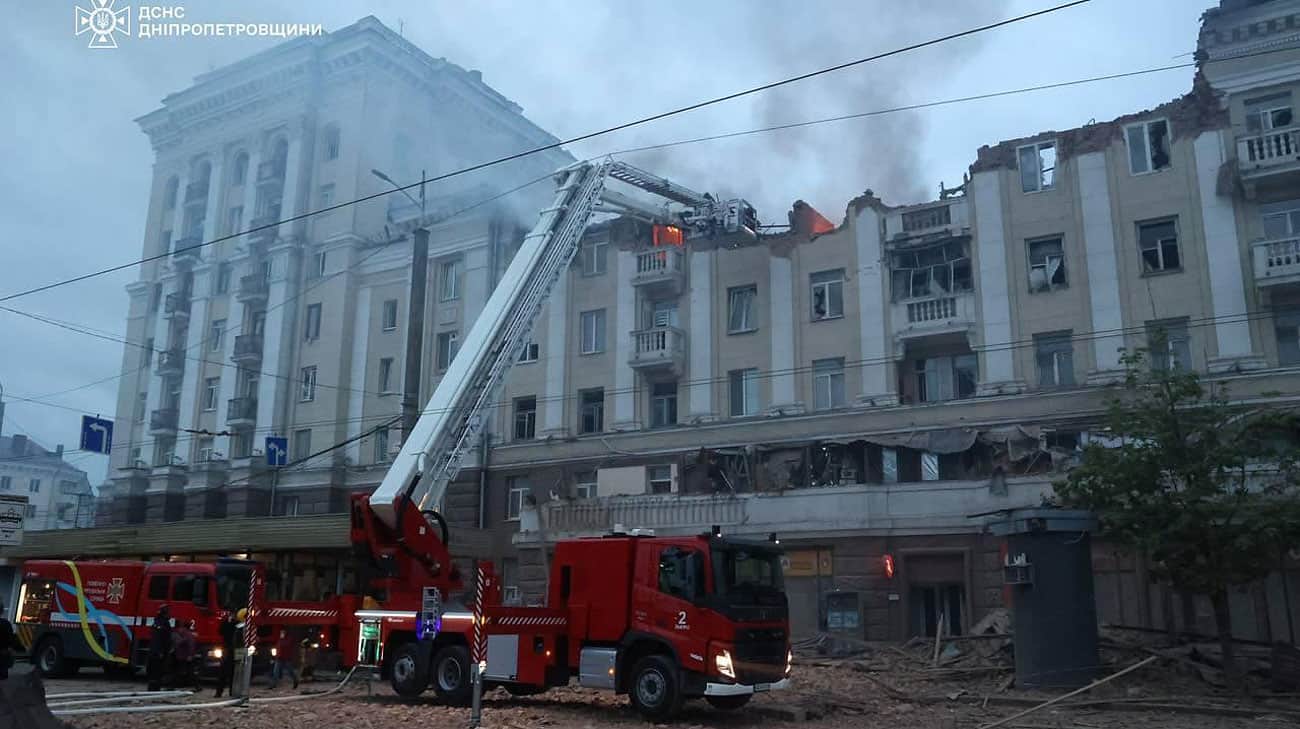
x=96 y=435
x=277 y=451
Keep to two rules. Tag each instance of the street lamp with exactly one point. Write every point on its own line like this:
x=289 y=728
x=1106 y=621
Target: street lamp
x=415 y=314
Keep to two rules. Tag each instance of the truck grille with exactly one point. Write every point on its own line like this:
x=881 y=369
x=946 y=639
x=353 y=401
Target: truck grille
x=760 y=655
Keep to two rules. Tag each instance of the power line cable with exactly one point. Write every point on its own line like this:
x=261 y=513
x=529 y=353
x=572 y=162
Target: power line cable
x=556 y=145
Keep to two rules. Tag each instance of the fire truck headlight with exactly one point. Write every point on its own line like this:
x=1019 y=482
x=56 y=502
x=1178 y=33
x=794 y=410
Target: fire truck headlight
x=789 y=661
x=216 y=653
x=722 y=662
x=273 y=652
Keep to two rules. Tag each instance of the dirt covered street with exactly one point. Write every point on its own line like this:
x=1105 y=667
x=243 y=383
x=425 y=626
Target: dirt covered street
x=827 y=693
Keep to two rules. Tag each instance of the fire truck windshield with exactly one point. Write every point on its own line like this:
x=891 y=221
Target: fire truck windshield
x=742 y=569
x=232 y=586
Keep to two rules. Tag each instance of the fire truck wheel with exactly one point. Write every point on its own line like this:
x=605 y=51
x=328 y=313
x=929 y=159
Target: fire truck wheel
x=728 y=703
x=50 y=661
x=451 y=675
x=655 y=688
x=410 y=675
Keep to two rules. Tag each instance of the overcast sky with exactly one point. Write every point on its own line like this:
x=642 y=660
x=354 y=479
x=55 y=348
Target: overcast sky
x=75 y=168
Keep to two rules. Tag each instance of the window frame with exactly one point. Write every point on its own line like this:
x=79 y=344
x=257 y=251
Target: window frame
x=216 y=335
x=829 y=369
x=1037 y=148
x=832 y=283
x=650 y=479
x=307 y=383
x=297 y=451
x=381 y=445
x=1287 y=322
x=333 y=143
x=598 y=326
x=1159 y=247
x=524 y=425
x=325 y=195
x=449 y=272
x=386 y=376
x=446 y=345
x=1054 y=345
x=318 y=262
x=312 y=321
x=747 y=381
x=671 y=412
x=591 y=408
x=594 y=256
x=225 y=276
x=1146 y=145
x=1178 y=332
x=389 y=307
x=750 y=324
x=515 y=494
x=211 y=393
x=583 y=488
x=1029 y=261
x=530 y=353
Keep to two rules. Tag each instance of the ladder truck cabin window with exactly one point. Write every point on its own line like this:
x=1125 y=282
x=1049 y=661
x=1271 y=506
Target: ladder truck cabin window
x=659 y=619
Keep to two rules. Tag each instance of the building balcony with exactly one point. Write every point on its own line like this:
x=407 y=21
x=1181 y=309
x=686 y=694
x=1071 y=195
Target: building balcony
x=176 y=305
x=171 y=362
x=661 y=349
x=1277 y=262
x=660 y=272
x=185 y=251
x=933 y=315
x=248 y=350
x=241 y=412
x=271 y=172
x=923 y=507
x=1270 y=158
x=253 y=288
x=259 y=225
x=164 y=421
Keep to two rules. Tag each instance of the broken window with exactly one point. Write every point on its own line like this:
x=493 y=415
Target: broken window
x=946 y=378
x=1148 y=146
x=1037 y=166
x=927 y=218
x=1054 y=353
x=741 y=314
x=1169 y=344
x=934 y=270
x=828 y=383
x=1046 y=264
x=828 y=294
x=1268 y=112
x=1159 y=243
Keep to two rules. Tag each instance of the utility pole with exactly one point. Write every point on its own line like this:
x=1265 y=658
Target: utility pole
x=415 y=312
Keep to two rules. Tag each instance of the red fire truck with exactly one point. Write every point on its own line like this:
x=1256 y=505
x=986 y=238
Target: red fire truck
x=85 y=613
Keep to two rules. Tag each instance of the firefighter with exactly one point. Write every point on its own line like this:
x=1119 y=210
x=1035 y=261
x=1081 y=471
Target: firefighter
x=8 y=644
x=184 y=672
x=226 y=673
x=160 y=648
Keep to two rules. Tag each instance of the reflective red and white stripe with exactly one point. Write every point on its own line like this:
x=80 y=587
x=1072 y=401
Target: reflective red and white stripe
x=480 y=649
x=300 y=613
x=528 y=620
x=250 y=628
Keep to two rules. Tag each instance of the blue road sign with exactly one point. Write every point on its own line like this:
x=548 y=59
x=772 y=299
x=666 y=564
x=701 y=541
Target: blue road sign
x=277 y=451
x=96 y=434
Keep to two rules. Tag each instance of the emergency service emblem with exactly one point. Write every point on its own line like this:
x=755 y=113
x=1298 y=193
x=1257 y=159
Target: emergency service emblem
x=102 y=22
x=116 y=589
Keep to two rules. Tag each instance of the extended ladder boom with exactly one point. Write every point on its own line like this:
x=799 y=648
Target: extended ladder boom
x=449 y=424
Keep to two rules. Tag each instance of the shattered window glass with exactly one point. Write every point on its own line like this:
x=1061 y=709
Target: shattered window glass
x=1046 y=264
x=934 y=270
x=1159 y=243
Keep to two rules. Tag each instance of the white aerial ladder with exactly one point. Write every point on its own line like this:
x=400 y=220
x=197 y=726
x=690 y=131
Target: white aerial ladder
x=455 y=414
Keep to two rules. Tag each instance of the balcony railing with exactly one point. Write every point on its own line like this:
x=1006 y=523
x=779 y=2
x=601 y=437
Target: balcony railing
x=661 y=270
x=658 y=347
x=186 y=250
x=241 y=411
x=164 y=420
x=248 y=347
x=1269 y=149
x=919 y=317
x=253 y=286
x=171 y=362
x=259 y=225
x=1277 y=261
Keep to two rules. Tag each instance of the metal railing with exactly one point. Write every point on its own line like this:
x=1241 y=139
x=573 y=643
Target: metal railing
x=1275 y=258
x=248 y=345
x=253 y=285
x=241 y=408
x=164 y=419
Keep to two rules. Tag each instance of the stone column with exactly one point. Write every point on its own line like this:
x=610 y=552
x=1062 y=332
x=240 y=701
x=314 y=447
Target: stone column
x=277 y=380
x=785 y=398
x=555 y=352
x=1104 y=301
x=192 y=382
x=874 y=333
x=294 y=182
x=1223 y=259
x=618 y=337
x=997 y=371
x=357 y=374
x=699 y=343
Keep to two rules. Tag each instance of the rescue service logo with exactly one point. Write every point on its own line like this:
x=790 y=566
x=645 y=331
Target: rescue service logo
x=116 y=589
x=103 y=22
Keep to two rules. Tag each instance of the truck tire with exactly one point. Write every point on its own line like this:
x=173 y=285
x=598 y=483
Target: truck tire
x=451 y=675
x=49 y=660
x=409 y=673
x=655 y=688
x=728 y=703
